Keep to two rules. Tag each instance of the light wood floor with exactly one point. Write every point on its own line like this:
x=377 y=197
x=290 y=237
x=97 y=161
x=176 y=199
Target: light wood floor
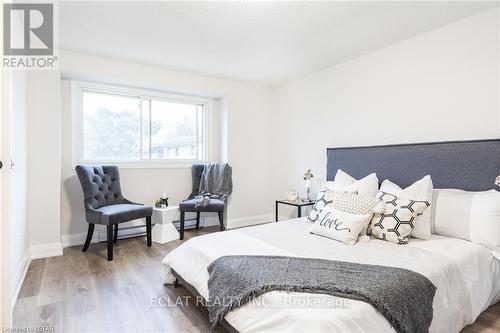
x=83 y=292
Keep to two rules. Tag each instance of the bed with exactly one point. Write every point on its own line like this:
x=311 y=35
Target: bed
x=465 y=274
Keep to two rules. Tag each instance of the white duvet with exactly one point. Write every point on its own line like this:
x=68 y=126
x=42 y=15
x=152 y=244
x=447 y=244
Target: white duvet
x=466 y=276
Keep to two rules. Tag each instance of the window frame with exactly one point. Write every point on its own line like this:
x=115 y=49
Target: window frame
x=77 y=89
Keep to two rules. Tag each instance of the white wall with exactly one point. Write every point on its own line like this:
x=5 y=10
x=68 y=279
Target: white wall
x=5 y=202
x=437 y=86
x=441 y=85
x=19 y=230
x=19 y=191
x=44 y=159
x=243 y=121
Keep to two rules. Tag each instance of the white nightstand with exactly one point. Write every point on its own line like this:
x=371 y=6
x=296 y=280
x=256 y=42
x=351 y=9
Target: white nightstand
x=163 y=230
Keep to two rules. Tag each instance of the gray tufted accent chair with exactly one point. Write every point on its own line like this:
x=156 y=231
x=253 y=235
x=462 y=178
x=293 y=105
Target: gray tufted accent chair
x=104 y=203
x=189 y=205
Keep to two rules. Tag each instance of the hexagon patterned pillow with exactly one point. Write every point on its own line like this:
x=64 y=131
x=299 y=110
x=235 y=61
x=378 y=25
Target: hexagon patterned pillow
x=396 y=223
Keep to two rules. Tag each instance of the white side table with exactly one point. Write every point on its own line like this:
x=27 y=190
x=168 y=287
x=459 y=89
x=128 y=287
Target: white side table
x=163 y=230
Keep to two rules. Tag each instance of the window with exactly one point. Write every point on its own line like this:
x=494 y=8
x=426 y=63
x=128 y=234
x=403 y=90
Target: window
x=138 y=127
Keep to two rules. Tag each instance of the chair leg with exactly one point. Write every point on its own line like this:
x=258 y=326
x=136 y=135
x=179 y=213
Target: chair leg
x=148 y=230
x=109 y=230
x=90 y=233
x=115 y=237
x=221 y=220
x=197 y=220
x=181 y=231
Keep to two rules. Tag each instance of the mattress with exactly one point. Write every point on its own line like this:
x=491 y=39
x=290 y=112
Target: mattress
x=465 y=274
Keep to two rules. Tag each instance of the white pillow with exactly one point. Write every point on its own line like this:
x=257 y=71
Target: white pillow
x=420 y=190
x=356 y=204
x=346 y=202
x=345 y=183
x=339 y=225
x=473 y=216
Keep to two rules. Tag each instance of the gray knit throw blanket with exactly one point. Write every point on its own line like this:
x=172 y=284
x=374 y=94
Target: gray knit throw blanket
x=402 y=296
x=215 y=183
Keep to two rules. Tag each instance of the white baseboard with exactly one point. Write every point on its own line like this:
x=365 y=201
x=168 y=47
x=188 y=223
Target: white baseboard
x=46 y=250
x=20 y=276
x=206 y=220
x=240 y=222
x=235 y=222
x=77 y=239
x=100 y=235
x=134 y=230
x=283 y=217
x=124 y=232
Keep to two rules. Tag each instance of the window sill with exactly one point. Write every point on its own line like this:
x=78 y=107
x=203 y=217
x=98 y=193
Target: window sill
x=144 y=165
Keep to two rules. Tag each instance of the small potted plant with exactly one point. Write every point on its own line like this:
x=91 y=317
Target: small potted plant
x=162 y=202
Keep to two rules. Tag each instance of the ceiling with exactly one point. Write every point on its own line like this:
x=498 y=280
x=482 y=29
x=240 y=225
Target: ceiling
x=266 y=42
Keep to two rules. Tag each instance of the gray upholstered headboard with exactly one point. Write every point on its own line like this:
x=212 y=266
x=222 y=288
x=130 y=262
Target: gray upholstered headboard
x=467 y=165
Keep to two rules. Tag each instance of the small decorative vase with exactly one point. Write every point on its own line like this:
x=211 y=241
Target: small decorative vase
x=307 y=177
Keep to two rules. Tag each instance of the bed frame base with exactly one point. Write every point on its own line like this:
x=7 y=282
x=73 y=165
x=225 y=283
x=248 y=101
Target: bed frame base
x=192 y=290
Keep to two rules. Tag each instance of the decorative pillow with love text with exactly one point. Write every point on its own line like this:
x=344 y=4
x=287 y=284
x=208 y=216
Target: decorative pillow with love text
x=338 y=225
